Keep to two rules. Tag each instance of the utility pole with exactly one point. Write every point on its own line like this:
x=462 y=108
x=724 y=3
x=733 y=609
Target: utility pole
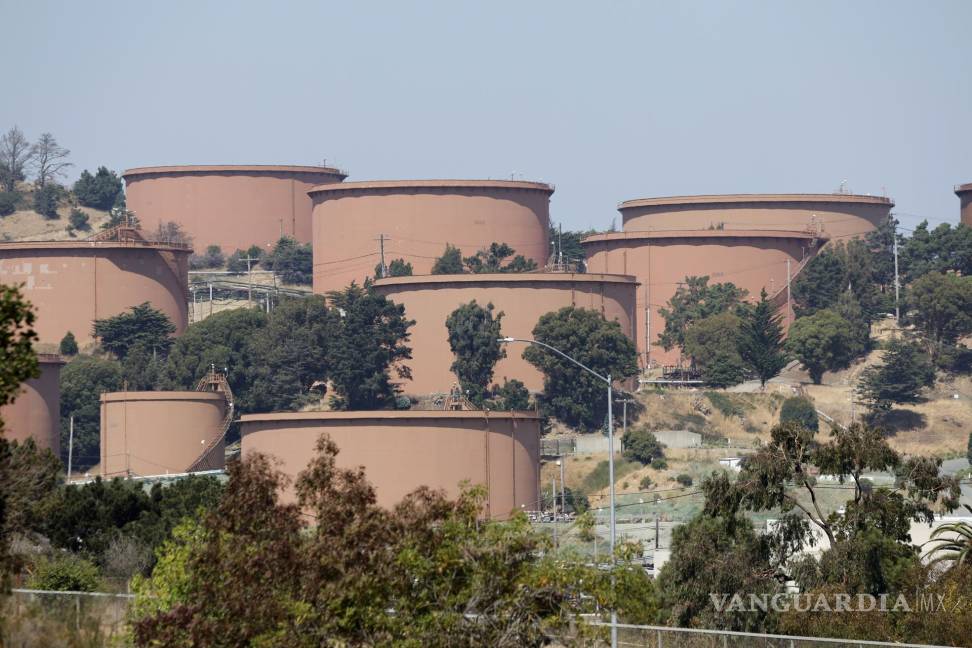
x=563 y=490
x=560 y=247
x=553 y=493
x=789 y=312
x=897 y=283
x=382 y=270
x=249 y=278
x=210 y=298
x=656 y=530
x=70 y=447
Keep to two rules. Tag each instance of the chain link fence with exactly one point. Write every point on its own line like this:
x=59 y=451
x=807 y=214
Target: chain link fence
x=40 y=618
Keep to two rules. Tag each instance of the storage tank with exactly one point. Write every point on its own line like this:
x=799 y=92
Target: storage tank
x=162 y=432
x=35 y=413
x=964 y=192
x=523 y=298
x=753 y=259
x=837 y=215
x=73 y=283
x=417 y=218
x=402 y=450
x=232 y=206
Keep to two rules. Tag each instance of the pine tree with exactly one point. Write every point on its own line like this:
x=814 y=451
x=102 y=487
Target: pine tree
x=905 y=372
x=450 y=262
x=69 y=345
x=474 y=332
x=761 y=340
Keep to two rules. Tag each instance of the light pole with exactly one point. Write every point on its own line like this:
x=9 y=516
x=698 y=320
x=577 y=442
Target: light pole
x=610 y=401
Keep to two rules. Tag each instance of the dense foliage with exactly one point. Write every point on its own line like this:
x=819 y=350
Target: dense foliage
x=713 y=345
x=142 y=328
x=68 y=345
x=801 y=411
x=571 y=394
x=940 y=306
x=474 y=334
x=761 y=340
x=693 y=301
x=498 y=257
x=450 y=262
x=905 y=371
x=211 y=258
x=291 y=260
x=100 y=190
x=46 y=199
x=18 y=362
x=397 y=268
x=821 y=342
x=82 y=381
x=641 y=445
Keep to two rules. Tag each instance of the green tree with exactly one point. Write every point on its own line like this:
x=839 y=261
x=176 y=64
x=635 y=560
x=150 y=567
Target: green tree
x=943 y=249
x=143 y=326
x=65 y=573
x=512 y=395
x=712 y=344
x=8 y=202
x=292 y=261
x=79 y=220
x=571 y=394
x=289 y=355
x=45 y=201
x=397 y=268
x=800 y=410
x=493 y=259
x=474 y=334
x=820 y=283
x=693 y=301
x=369 y=339
x=69 y=345
x=223 y=341
x=904 y=373
x=941 y=309
x=211 y=258
x=18 y=362
x=641 y=445
x=82 y=381
x=100 y=190
x=450 y=262
x=236 y=262
x=859 y=328
x=821 y=342
x=952 y=542
x=761 y=340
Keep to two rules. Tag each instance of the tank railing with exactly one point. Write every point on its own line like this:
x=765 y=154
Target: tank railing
x=215 y=381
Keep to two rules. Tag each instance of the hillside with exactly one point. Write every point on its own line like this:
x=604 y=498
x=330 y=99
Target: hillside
x=27 y=225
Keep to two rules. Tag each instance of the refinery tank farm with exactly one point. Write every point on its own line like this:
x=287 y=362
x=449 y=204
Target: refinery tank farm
x=353 y=229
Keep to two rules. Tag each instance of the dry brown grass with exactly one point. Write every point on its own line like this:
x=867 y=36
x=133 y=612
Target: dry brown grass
x=26 y=225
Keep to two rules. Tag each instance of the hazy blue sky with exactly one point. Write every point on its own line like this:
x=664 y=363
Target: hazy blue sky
x=608 y=100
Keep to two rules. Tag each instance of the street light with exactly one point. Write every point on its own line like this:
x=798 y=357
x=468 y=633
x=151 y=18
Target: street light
x=610 y=400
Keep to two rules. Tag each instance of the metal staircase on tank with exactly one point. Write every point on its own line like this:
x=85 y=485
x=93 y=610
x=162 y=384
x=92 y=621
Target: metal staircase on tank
x=214 y=381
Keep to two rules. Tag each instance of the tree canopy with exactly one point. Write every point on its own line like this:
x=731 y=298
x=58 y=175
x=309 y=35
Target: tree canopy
x=695 y=300
x=82 y=381
x=821 y=342
x=940 y=305
x=100 y=190
x=291 y=260
x=905 y=371
x=18 y=362
x=142 y=327
x=712 y=344
x=761 y=340
x=474 y=333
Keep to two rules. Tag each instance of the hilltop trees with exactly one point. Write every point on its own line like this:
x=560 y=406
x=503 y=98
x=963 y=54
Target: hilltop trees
x=800 y=410
x=100 y=190
x=571 y=394
x=692 y=302
x=712 y=344
x=904 y=373
x=49 y=159
x=369 y=339
x=292 y=261
x=821 y=342
x=492 y=259
x=941 y=309
x=474 y=334
x=82 y=381
x=15 y=154
x=761 y=340
x=143 y=327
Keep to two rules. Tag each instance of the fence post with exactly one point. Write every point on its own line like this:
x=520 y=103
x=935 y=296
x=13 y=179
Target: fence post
x=77 y=612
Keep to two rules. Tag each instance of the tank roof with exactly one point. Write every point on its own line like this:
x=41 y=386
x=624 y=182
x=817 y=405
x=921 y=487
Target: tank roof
x=512 y=278
x=386 y=185
x=202 y=169
x=699 y=234
x=415 y=415
x=963 y=188
x=93 y=245
x=159 y=396
x=729 y=199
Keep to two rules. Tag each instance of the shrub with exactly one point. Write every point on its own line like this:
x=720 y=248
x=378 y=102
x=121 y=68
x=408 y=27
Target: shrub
x=79 y=220
x=100 y=190
x=45 y=201
x=597 y=479
x=641 y=445
x=8 y=202
x=69 y=345
x=800 y=410
x=212 y=258
x=645 y=483
x=684 y=480
x=65 y=573
x=659 y=464
x=725 y=404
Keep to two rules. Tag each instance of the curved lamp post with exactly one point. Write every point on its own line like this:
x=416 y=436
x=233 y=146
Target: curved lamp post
x=610 y=400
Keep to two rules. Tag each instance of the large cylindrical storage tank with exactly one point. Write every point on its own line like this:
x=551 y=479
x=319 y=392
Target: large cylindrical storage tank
x=964 y=192
x=73 y=283
x=662 y=260
x=838 y=215
x=159 y=433
x=35 y=414
x=523 y=299
x=232 y=206
x=417 y=218
x=403 y=450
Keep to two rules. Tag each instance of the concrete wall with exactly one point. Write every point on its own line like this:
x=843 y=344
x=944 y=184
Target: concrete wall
x=661 y=260
x=964 y=192
x=37 y=409
x=420 y=217
x=401 y=451
x=523 y=298
x=154 y=433
x=837 y=215
x=71 y=284
x=230 y=206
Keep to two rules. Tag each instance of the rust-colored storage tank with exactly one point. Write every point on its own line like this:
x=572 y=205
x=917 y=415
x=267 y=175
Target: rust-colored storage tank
x=753 y=260
x=162 y=432
x=73 y=283
x=837 y=215
x=523 y=298
x=403 y=450
x=232 y=206
x=418 y=218
x=964 y=192
x=36 y=412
